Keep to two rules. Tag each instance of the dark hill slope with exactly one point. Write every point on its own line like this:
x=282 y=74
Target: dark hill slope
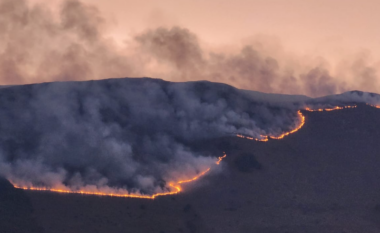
x=16 y=211
x=323 y=178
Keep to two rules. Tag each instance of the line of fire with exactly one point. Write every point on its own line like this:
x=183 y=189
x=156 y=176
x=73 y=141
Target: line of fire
x=176 y=186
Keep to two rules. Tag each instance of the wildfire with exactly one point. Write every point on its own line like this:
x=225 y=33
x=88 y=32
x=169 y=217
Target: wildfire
x=220 y=159
x=302 y=117
x=261 y=139
x=329 y=109
x=174 y=185
x=375 y=106
x=265 y=138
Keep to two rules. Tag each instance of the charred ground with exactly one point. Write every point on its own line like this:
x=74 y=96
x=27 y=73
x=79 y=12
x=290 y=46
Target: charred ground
x=324 y=178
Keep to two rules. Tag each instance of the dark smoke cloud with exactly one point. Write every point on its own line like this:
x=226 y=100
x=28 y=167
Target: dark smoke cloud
x=177 y=46
x=132 y=135
x=136 y=135
x=319 y=81
x=127 y=134
x=38 y=45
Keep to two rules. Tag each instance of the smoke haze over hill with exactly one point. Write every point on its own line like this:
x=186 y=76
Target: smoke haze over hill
x=41 y=45
x=208 y=108
x=133 y=135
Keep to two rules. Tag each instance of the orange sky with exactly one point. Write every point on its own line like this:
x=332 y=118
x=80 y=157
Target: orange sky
x=344 y=33
x=301 y=25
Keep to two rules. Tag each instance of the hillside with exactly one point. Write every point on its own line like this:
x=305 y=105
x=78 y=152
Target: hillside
x=320 y=179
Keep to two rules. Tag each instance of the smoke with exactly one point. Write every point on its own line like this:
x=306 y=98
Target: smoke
x=137 y=135
x=123 y=135
x=133 y=135
x=40 y=45
x=176 y=46
x=36 y=46
x=256 y=67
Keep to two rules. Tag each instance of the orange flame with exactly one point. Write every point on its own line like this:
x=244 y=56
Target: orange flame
x=265 y=138
x=302 y=117
x=261 y=139
x=375 y=106
x=220 y=159
x=329 y=109
x=174 y=185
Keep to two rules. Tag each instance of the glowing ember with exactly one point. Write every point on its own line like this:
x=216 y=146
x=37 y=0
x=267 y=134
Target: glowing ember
x=375 y=106
x=175 y=186
x=329 y=109
x=220 y=159
x=261 y=139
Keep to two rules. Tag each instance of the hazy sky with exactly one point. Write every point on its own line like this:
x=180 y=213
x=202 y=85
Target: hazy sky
x=318 y=40
x=301 y=25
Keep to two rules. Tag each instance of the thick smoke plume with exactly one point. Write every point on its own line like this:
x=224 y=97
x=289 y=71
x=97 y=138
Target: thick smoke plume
x=133 y=135
x=136 y=135
x=38 y=45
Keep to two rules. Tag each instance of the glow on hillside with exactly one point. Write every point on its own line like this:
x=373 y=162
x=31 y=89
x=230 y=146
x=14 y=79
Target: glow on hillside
x=328 y=109
x=375 y=106
x=265 y=138
x=174 y=186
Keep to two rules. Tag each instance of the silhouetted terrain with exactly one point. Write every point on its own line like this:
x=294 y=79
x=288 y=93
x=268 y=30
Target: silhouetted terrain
x=16 y=210
x=323 y=178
